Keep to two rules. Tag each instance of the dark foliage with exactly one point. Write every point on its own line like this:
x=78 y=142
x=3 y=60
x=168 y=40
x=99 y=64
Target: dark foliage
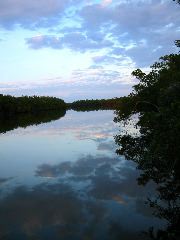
x=97 y=104
x=177 y=43
x=12 y=105
x=178 y=1
x=155 y=148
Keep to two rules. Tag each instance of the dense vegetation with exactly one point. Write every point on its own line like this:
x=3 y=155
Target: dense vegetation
x=25 y=104
x=178 y=1
x=155 y=149
x=96 y=104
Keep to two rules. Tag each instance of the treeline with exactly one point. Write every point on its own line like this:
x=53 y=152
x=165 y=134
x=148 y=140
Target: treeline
x=26 y=104
x=97 y=104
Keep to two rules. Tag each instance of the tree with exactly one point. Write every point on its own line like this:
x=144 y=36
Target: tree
x=178 y=1
x=177 y=42
x=156 y=99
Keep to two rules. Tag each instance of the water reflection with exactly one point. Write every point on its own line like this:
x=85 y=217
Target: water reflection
x=10 y=122
x=97 y=204
x=156 y=153
x=4 y=180
x=63 y=180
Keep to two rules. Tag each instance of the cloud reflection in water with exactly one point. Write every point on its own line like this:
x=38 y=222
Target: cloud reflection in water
x=90 y=195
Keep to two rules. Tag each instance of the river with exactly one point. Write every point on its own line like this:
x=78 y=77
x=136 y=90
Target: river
x=63 y=180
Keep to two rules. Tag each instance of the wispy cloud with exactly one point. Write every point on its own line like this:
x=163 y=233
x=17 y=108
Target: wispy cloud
x=79 y=87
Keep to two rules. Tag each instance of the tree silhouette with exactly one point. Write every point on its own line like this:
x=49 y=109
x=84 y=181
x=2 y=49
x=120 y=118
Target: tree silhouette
x=155 y=149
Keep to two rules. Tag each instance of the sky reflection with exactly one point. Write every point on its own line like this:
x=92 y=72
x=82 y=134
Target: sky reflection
x=63 y=180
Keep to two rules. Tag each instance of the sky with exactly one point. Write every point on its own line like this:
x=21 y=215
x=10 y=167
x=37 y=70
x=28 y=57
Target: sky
x=82 y=49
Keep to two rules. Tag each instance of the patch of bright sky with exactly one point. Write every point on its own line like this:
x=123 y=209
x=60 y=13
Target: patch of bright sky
x=22 y=63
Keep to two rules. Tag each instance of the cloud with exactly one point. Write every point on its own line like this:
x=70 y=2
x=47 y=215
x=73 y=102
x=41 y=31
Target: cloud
x=76 y=41
x=97 y=76
x=41 y=41
x=106 y=2
x=133 y=17
x=30 y=14
x=79 y=41
x=114 y=59
x=140 y=31
x=131 y=24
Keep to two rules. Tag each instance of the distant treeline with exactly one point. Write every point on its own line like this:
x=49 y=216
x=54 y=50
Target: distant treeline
x=35 y=104
x=26 y=104
x=97 y=104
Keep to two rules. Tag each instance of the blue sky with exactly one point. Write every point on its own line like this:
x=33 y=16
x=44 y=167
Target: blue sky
x=78 y=49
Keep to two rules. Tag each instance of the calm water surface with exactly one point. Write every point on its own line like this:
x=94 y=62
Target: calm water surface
x=63 y=180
